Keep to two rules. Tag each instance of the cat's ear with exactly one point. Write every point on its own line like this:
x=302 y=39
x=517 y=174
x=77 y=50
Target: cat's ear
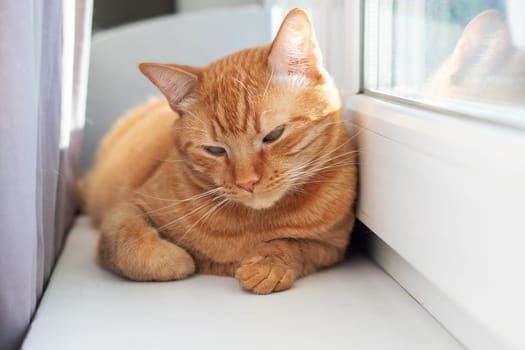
x=487 y=35
x=294 y=50
x=174 y=81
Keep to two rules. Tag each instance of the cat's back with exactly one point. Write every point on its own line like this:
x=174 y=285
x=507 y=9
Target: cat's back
x=127 y=156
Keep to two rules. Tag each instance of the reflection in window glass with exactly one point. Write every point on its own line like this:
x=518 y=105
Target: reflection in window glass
x=463 y=55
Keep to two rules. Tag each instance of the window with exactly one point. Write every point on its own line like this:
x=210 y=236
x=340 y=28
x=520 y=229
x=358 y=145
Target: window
x=465 y=56
x=439 y=185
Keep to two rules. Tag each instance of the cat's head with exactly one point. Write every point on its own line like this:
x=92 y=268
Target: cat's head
x=254 y=123
x=484 y=65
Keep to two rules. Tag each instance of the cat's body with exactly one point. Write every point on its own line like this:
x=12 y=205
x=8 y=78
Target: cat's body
x=256 y=178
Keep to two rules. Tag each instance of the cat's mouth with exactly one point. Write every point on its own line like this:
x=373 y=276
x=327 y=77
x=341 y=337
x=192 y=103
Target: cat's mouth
x=260 y=200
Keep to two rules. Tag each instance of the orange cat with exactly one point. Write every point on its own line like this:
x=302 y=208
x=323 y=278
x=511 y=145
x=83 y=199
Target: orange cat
x=254 y=176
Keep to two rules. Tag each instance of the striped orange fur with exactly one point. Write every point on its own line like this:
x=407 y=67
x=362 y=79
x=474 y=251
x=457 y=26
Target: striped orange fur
x=245 y=169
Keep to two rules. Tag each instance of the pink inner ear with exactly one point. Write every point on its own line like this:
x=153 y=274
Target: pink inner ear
x=294 y=50
x=174 y=82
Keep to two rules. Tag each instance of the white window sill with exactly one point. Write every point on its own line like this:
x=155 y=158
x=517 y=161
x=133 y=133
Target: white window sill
x=355 y=305
x=446 y=194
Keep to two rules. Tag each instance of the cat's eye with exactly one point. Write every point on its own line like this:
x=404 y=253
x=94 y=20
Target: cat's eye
x=216 y=151
x=274 y=135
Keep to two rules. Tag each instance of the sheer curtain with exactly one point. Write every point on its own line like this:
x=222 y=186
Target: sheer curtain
x=43 y=63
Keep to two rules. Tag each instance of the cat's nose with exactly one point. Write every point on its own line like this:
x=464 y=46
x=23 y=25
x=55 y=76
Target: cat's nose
x=248 y=185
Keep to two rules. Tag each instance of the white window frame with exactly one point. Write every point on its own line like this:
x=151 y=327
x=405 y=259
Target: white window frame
x=443 y=194
x=449 y=208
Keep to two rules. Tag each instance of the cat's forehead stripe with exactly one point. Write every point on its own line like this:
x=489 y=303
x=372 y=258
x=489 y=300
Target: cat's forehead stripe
x=236 y=107
x=217 y=124
x=213 y=132
x=233 y=87
x=257 y=122
x=244 y=116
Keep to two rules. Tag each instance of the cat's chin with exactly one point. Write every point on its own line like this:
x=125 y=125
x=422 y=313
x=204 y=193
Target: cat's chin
x=262 y=200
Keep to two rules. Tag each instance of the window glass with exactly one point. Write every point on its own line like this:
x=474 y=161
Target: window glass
x=467 y=56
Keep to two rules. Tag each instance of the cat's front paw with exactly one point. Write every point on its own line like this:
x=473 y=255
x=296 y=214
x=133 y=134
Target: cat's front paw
x=264 y=275
x=156 y=260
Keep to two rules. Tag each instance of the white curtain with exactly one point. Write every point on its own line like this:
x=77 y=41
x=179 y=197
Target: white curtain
x=43 y=64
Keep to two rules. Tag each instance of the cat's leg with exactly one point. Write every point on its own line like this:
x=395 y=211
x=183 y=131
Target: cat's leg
x=274 y=266
x=130 y=246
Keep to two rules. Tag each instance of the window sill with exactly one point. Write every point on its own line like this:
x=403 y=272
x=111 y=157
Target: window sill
x=445 y=193
x=354 y=304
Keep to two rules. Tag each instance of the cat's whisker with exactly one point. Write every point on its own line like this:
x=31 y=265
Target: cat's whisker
x=319 y=161
x=337 y=157
x=312 y=175
x=194 y=211
x=174 y=203
x=203 y=218
x=350 y=139
x=327 y=157
x=298 y=176
x=157 y=210
x=322 y=157
x=197 y=196
x=327 y=165
x=303 y=183
x=316 y=171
